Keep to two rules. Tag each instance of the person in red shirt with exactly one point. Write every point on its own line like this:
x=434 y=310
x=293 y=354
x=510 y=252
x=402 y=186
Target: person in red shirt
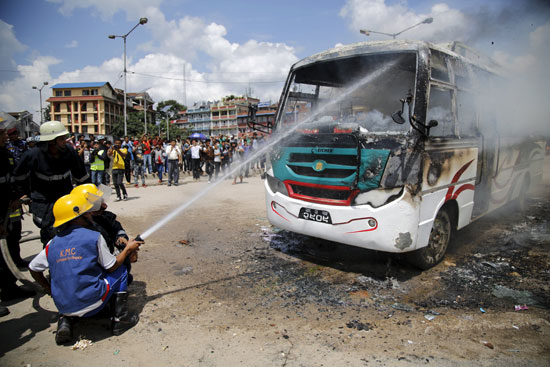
x=147 y=162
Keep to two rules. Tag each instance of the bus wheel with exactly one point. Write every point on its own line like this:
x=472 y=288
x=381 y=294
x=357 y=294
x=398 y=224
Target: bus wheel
x=440 y=236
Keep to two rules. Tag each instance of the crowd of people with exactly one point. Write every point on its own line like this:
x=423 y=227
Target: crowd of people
x=65 y=179
x=133 y=159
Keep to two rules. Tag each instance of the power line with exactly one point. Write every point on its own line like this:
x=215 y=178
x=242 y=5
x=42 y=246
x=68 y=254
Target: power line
x=210 y=81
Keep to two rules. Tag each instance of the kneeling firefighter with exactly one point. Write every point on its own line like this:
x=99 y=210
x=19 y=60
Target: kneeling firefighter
x=46 y=174
x=84 y=275
x=106 y=223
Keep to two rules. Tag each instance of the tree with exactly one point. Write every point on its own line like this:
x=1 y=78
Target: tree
x=170 y=113
x=46 y=113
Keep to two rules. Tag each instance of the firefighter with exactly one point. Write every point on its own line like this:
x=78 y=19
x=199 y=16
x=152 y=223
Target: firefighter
x=47 y=173
x=84 y=275
x=8 y=199
x=105 y=222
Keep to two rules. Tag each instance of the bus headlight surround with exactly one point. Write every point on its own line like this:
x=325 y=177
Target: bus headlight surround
x=276 y=185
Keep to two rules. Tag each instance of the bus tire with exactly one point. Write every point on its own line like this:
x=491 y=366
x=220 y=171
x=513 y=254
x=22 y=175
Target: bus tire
x=431 y=255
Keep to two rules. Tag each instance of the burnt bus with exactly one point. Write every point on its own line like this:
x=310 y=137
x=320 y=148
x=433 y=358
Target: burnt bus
x=388 y=146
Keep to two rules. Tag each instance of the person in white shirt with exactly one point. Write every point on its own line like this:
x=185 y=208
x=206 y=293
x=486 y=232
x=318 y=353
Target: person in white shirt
x=173 y=153
x=217 y=158
x=196 y=160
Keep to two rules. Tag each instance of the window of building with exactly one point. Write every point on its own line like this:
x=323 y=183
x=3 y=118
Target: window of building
x=84 y=118
x=67 y=93
x=58 y=93
x=83 y=106
x=84 y=129
x=95 y=117
x=440 y=110
x=69 y=119
x=76 y=106
x=85 y=92
x=57 y=107
x=95 y=106
x=93 y=92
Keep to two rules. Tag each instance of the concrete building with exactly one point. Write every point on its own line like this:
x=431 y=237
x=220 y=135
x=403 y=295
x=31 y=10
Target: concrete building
x=25 y=124
x=86 y=107
x=222 y=117
x=142 y=101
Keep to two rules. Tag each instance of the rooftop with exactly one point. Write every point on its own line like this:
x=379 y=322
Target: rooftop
x=80 y=85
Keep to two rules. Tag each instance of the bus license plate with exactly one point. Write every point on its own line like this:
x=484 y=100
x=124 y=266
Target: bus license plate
x=315 y=215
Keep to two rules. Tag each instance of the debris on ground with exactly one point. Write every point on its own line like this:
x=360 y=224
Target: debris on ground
x=524 y=297
x=82 y=344
x=183 y=271
x=488 y=344
x=520 y=307
x=184 y=242
x=356 y=324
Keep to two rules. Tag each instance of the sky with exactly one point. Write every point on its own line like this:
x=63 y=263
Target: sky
x=231 y=47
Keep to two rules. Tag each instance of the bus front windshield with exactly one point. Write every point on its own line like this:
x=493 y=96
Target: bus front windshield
x=361 y=91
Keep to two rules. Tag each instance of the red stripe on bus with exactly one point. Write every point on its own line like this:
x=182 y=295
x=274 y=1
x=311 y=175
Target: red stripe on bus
x=463 y=188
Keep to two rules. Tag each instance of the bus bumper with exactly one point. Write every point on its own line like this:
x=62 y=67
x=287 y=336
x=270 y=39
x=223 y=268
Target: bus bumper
x=390 y=228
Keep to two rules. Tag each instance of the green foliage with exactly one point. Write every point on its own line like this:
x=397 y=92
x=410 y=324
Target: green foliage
x=136 y=128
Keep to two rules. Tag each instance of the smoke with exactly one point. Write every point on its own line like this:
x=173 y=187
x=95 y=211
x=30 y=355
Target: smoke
x=515 y=34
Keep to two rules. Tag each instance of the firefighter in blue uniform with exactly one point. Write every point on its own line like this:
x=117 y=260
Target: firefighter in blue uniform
x=47 y=174
x=84 y=275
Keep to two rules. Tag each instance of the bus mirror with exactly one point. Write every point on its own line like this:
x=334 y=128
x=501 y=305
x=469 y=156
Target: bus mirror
x=432 y=123
x=397 y=117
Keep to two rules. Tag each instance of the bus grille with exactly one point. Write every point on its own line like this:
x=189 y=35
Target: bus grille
x=343 y=160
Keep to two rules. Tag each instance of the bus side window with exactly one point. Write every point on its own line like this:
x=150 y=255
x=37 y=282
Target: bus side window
x=439 y=109
x=466 y=114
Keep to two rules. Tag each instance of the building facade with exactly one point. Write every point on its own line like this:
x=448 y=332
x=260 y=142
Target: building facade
x=86 y=107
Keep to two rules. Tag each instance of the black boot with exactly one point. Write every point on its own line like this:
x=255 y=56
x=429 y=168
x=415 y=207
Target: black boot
x=122 y=319
x=64 y=330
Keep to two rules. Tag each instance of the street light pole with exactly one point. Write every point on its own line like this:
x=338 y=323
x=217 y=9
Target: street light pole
x=40 y=93
x=112 y=36
x=367 y=32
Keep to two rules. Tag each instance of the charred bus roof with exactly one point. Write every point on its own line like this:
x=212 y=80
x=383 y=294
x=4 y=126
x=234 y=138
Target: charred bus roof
x=454 y=49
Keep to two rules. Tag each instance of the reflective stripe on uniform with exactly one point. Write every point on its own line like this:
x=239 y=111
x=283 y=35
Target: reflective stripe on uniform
x=53 y=177
x=84 y=178
x=16 y=213
x=98 y=164
x=4 y=179
x=21 y=177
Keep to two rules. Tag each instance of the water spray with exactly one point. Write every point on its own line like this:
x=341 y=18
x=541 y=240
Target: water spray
x=276 y=139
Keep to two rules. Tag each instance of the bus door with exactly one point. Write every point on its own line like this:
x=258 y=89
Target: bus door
x=487 y=165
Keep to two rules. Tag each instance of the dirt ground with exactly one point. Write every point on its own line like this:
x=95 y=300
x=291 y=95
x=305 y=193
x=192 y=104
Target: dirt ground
x=243 y=293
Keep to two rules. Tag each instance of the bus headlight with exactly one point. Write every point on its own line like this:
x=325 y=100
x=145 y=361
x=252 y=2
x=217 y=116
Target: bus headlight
x=378 y=197
x=276 y=185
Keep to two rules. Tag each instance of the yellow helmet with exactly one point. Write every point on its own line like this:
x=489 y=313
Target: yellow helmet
x=94 y=194
x=69 y=207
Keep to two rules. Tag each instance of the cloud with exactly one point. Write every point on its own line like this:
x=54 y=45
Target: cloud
x=9 y=46
x=17 y=94
x=72 y=44
x=106 y=9
x=376 y=15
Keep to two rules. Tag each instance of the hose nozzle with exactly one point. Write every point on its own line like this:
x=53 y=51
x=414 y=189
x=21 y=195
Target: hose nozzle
x=138 y=238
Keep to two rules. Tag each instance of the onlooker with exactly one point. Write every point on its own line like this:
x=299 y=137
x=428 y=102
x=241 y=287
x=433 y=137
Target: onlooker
x=119 y=155
x=173 y=154
x=196 y=160
x=158 y=158
x=208 y=158
x=97 y=164
x=84 y=153
x=147 y=153
x=217 y=158
x=106 y=173
x=129 y=159
x=139 y=170
x=238 y=156
x=186 y=152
